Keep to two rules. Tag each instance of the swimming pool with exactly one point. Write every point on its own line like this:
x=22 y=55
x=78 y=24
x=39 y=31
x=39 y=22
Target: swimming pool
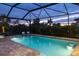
x=47 y=46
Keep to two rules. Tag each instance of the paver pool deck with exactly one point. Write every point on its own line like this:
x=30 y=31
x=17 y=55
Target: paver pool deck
x=76 y=51
x=10 y=48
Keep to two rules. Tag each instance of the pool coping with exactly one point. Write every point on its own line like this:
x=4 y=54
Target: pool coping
x=63 y=38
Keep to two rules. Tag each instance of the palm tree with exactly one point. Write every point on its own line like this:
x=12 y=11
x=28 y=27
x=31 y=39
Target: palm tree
x=36 y=21
x=49 y=22
x=35 y=28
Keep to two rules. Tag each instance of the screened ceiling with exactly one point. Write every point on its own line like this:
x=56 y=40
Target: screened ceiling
x=26 y=11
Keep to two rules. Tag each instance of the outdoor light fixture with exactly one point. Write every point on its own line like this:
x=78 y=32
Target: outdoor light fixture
x=3 y=29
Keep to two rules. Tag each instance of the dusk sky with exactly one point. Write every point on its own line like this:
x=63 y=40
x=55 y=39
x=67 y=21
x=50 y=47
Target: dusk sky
x=18 y=13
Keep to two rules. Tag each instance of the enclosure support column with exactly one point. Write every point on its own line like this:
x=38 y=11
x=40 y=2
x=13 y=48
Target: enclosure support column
x=68 y=19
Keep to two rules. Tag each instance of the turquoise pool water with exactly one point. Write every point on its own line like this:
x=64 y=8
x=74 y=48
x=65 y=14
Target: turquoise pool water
x=47 y=46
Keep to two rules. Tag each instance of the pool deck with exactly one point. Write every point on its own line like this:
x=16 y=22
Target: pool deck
x=10 y=48
x=76 y=51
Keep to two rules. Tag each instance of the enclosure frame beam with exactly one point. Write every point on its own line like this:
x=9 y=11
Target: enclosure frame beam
x=12 y=8
x=38 y=9
x=50 y=9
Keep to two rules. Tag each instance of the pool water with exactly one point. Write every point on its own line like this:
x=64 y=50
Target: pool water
x=46 y=46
